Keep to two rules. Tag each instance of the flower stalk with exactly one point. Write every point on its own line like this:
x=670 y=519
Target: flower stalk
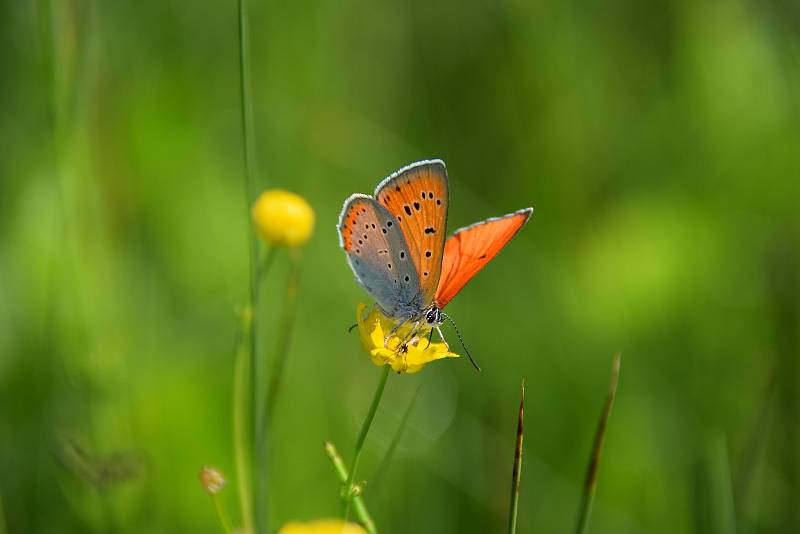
x=387 y=459
x=359 y=507
x=258 y=449
x=213 y=482
x=347 y=492
x=285 y=328
x=241 y=430
x=221 y=515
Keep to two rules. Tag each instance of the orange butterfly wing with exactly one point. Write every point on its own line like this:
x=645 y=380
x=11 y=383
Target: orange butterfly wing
x=469 y=249
x=417 y=196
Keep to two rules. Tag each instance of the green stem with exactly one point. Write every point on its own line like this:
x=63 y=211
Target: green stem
x=590 y=484
x=387 y=460
x=221 y=515
x=347 y=495
x=259 y=488
x=263 y=266
x=285 y=328
x=359 y=507
x=241 y=395
x=516 y=472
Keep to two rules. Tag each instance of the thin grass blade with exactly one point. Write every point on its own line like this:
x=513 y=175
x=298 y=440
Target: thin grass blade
x=590 y=484
x=516 y=473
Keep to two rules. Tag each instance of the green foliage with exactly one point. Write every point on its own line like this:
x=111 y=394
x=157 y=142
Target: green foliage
x=656 y=140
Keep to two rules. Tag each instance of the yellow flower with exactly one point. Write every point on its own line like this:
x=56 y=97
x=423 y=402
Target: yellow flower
x=283 y=218
x=322 y=526
x=373 y=331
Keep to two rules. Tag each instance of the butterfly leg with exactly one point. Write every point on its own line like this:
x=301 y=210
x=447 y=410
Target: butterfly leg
x=392 y=332
x=441 y=336
x=430 y=338
x=412 y=334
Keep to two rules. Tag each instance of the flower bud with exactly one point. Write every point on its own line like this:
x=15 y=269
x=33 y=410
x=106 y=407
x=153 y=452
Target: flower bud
x=212 y=480
x=283 y=218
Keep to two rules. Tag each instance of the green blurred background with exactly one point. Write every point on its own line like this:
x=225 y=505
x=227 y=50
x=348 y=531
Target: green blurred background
x=658 y=141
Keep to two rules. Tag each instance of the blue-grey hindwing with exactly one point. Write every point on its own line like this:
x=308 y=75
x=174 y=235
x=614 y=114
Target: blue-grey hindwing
x=379 y=257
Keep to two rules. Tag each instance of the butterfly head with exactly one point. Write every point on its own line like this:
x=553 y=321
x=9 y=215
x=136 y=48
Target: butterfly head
x=433 y=316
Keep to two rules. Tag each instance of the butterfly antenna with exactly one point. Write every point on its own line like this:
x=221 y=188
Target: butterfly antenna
x=461 y=340
x=351 y=328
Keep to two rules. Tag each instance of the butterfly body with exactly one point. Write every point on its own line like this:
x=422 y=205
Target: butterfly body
x=395 y=244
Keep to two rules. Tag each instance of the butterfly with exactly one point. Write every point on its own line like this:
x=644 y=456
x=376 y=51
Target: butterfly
x=395 y=245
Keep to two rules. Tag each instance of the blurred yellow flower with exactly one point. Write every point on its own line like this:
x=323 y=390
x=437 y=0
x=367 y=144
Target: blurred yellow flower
x=373 y=331
x=322 y=526
x=283 y=218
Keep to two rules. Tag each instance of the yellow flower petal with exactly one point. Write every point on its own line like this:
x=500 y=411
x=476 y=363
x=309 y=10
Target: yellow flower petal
x=373 y=330
x=322 y=526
